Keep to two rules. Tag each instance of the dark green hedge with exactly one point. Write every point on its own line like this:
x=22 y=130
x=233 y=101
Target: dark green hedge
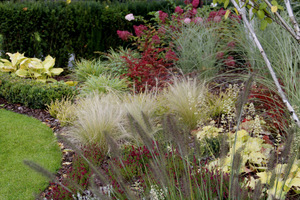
x=58 y=29
x=32 y=93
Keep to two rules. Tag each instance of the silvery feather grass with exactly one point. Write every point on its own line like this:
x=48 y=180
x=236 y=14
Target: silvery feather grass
x=97 y=114
x=186 y=98
x=196 y=49
x=136 y=104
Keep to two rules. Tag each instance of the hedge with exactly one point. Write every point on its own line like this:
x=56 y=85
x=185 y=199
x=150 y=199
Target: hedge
x=32 y=93
x=59 y=29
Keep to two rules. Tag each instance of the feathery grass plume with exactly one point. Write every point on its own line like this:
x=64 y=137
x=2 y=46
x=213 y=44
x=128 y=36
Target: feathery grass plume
x=257 y=191
x=286 y=153
x=186 y=99
x=96 y=115
x=243 y=97
x=176 y=135
x=86 y=68
x=141 y=106
x=103 y=84
x=44 y=172
x=113 y=146
x=137 y=129
x=272 y=161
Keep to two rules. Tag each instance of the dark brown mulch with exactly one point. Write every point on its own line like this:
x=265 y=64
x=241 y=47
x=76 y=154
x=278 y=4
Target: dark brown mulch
x=51 y=122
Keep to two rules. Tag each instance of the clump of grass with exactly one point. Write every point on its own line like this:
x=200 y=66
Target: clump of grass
x=139 y=106
x=97 y=115
x=186 y=98
x=196 y=49
x=63 y=110
x=103 y=84
x=116 y=63
x=84 y=69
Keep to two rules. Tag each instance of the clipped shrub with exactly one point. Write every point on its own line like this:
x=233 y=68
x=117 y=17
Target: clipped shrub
x=32 y=93
x=60 y=29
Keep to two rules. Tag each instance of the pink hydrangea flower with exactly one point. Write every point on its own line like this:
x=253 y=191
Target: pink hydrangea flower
x=195 y=3
x=139 y=30
x=162 y=16
x=198 y=20
x=217 y=18
x=156 y=39
x=187 y=20
x=178 y=10
x=124 y=35
x=129 y=17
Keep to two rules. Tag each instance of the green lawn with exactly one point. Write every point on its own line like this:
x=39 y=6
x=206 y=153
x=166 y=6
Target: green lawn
x=23 y=137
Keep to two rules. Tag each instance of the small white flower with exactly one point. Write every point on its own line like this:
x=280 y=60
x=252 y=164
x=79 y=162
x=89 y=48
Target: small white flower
x=213 y=5
x=129 y=17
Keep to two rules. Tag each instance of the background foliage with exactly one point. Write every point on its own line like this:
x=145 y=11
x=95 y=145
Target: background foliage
x=60 y=29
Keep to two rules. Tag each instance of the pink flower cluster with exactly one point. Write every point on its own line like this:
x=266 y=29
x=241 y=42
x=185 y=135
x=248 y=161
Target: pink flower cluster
x=124 y=35
x=216 y=16
x=139 y=30
x=162 y=16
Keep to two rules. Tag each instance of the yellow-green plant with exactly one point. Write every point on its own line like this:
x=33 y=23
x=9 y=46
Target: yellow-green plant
x=63 y=110
x=13 y=65
x=30 y=67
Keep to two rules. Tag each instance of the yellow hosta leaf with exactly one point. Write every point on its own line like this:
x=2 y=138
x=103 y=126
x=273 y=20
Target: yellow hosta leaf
x=274 y=9
x=16 y=58
x=22 y=72
x=68 y=1
x=56 y=71
x=48 y=63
